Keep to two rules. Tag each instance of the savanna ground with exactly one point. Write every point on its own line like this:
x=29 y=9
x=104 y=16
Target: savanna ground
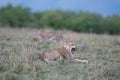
x=18 y=50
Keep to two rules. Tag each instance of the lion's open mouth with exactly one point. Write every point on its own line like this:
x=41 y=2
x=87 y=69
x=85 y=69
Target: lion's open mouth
x=73 y=50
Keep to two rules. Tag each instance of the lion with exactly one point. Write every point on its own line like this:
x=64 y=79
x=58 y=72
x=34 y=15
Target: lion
x=65 y=52
x=48 y=36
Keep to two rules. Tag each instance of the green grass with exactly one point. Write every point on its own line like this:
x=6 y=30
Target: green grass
x=18 y=51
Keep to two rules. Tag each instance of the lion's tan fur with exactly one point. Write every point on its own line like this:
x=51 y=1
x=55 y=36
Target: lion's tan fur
x=47 y=36
x=65 y=52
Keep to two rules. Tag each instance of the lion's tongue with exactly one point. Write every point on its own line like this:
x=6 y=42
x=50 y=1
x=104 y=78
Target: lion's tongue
x=73 y=50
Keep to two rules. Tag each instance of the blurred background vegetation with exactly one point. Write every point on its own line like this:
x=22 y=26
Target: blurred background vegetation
x=83 y=21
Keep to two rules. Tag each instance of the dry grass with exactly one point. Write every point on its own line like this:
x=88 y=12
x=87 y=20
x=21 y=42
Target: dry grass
x=18 y=51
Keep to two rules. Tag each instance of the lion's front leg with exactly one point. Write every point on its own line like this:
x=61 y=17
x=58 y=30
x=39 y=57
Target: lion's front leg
x=79 y=61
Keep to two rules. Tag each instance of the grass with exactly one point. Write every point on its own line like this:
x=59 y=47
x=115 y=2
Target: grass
x=18 y=51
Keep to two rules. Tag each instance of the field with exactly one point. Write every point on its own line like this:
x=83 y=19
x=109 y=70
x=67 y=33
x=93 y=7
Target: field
x=18 y=51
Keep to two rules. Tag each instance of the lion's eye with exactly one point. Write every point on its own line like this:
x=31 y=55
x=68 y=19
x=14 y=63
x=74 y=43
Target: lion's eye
x=72 y=44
